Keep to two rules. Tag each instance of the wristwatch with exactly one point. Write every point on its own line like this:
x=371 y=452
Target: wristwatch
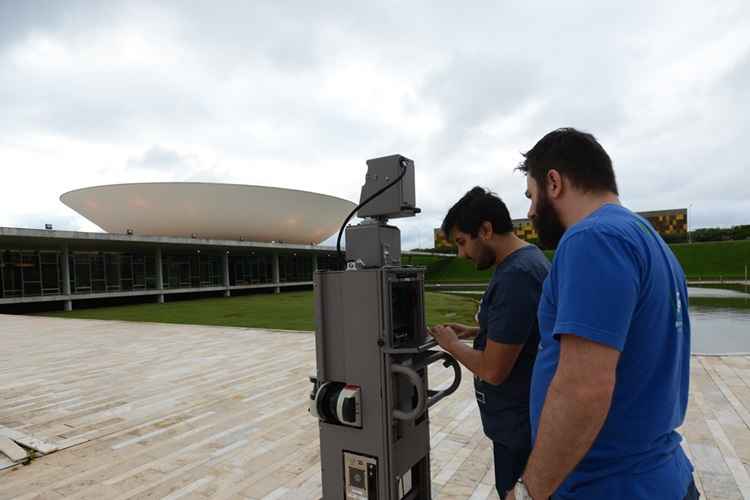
x=520 y=491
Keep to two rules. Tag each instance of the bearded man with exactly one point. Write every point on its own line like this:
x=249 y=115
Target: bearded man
x=610 y=382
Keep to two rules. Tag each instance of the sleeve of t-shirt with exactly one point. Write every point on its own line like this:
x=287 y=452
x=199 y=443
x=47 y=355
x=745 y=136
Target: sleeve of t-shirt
x=512 y=312
x=598 y=283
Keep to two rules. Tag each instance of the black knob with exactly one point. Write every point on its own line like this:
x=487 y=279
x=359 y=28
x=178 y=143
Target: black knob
x=349 y=410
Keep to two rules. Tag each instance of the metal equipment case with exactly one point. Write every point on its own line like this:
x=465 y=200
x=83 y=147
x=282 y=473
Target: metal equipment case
x=371 y=390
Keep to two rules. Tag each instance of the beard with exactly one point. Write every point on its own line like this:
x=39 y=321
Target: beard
x=485 y=258
x=547 y=223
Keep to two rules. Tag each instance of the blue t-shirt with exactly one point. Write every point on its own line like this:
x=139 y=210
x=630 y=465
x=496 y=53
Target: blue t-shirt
x=614 y=281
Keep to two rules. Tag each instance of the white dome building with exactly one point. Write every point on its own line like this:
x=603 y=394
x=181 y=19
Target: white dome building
x=211 y=211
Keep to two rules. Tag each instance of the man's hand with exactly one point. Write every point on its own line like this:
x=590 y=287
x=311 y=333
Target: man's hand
x=445 y=336
x=510 y=495
x=462 y=331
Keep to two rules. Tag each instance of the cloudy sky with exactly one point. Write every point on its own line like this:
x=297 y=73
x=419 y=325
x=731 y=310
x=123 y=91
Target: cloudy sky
x=299 y=94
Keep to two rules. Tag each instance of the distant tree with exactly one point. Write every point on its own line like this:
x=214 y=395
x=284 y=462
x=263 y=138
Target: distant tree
x=719 y=234
x=675 y=238
x=442 y=249
x=741 y=232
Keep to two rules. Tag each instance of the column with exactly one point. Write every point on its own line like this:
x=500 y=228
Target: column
x=315 y=262
x=227 y=291
x=68 y=305
x=159 y=277
x=276 y=278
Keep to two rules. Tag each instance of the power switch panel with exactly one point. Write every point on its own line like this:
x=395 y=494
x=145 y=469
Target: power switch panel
x=361 y=477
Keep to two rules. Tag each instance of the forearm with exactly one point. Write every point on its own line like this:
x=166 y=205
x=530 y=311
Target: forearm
x=570 y=421
x=467 y=356
x=471 y=333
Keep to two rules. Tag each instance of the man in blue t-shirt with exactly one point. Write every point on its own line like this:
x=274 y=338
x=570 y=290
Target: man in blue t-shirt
x=506 y=340
x=610 y=383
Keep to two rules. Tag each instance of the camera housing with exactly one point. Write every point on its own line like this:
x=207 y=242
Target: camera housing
x=398 y=200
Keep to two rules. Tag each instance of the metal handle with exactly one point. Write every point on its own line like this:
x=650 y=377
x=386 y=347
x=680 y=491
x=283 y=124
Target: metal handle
x=448 y=360
x=416 y=381
x=433 y=396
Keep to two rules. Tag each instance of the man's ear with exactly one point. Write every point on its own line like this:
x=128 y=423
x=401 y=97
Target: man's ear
x=554 y=184
x=485 y=231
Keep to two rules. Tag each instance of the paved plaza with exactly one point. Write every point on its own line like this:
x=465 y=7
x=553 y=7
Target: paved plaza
x=140 y=410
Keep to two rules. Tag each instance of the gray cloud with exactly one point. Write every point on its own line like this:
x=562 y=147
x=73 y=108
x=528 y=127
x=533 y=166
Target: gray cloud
x=300 y=94
x=58 y=221
x=159 y=158
x=94 y=105
x=472 y=89
x=19 y=20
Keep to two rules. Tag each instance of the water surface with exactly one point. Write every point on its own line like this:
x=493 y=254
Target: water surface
x=719 y=317
x=720 y=320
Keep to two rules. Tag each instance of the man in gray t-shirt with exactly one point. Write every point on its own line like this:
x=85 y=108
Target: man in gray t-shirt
x=505 y=343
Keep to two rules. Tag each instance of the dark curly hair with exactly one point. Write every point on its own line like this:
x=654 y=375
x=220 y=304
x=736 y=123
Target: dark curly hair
x=474 y=208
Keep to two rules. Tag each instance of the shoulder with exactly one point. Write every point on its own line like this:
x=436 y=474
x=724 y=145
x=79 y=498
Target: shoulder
x=613 y=241
x=613 y=225
x=516 y=280
x=531 y=262
x=536 y=256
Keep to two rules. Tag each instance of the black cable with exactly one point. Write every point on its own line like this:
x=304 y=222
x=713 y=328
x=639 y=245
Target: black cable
x=368 y=200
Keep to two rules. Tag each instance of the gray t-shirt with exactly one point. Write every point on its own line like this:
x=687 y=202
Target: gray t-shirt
x=508 y=315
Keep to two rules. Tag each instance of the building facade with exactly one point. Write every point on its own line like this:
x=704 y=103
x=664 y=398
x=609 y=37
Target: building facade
x=440 y=240
x=524 y=229
x=672 y=225
x=68 y=266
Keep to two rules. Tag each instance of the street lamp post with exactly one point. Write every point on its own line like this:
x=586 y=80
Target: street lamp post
x=690 y=238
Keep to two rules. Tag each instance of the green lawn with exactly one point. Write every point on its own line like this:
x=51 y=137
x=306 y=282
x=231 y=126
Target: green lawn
x=285 y=311
x=708 y=261
x=715 y=259
x=448 y=269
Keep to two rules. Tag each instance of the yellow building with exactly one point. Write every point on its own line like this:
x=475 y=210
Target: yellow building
x=440 y=239
x=524 y=229
x=521 y=228
x=670 y=224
